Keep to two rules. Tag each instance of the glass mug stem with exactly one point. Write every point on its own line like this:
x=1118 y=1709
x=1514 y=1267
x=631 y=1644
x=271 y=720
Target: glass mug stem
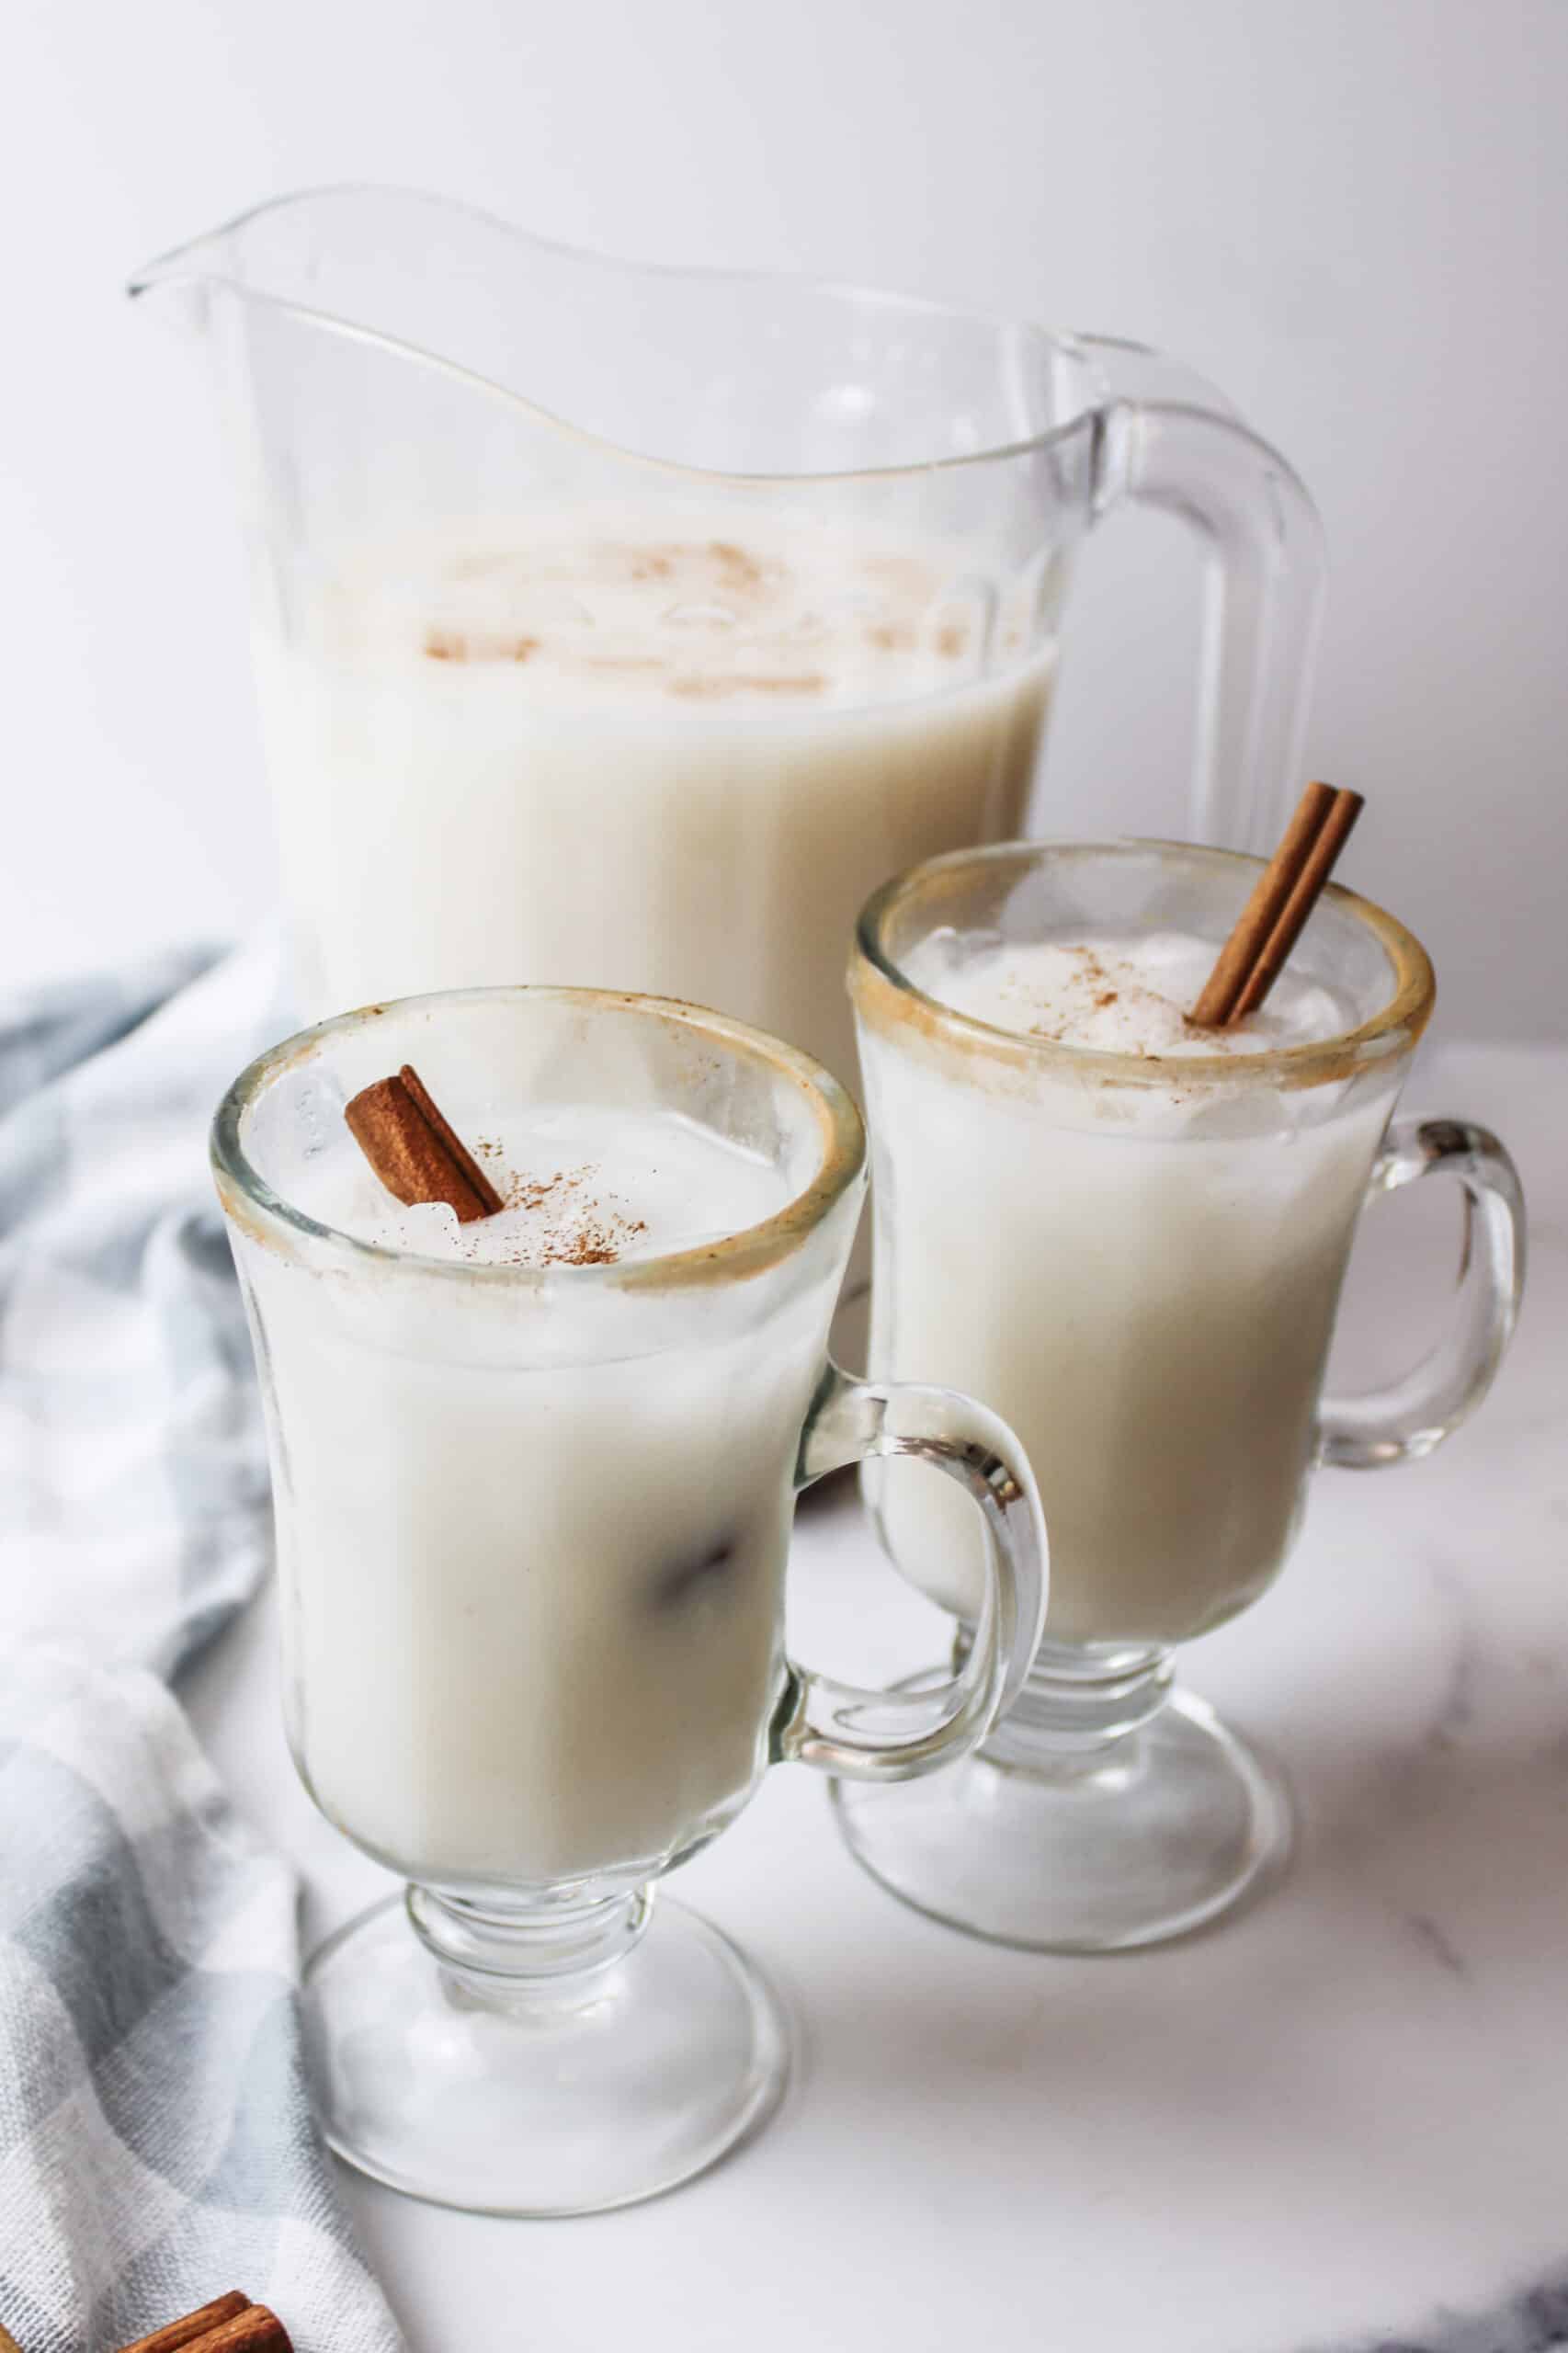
x=555 y=1948
x=1078 y=1705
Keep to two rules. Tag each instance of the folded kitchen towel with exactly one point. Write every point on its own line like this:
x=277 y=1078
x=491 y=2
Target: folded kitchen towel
x=156 y=2143
x=157 y=2146
x=132 y=1474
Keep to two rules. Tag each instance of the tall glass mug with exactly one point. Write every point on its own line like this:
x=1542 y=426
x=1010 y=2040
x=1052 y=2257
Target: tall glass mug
x=532 y=1523
x=1138 y=1261
x=628 y=626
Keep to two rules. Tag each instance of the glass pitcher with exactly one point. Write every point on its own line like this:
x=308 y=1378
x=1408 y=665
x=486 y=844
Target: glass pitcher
x=628 y=626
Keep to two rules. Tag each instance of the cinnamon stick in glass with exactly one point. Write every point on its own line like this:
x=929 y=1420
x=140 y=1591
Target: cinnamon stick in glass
x=415 y=1150
x=1283 y=897
x=1269 y=963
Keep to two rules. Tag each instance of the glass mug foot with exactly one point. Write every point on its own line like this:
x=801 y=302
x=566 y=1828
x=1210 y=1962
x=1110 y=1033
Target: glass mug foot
x=626 y=2076
x=1170 y=1828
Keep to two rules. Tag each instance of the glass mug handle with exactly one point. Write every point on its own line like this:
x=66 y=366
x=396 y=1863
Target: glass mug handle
x=1168 y=440
x=1412 y=1416
x=892 y=1735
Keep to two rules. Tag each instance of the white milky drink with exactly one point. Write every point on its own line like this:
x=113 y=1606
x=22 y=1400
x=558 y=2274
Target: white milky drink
x=577 y=751
x=532 y=1576
x=1141 y=1278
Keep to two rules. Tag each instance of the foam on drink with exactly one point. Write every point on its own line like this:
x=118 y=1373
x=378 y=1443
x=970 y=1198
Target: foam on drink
x=1114 y=993
x=582 y=1185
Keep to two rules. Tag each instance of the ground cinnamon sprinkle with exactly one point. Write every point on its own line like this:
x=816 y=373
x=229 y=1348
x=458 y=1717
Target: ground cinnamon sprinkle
x=586 y=1232
x=531 y=1193
x=1091 y=976
x=742 y=568
x=458 y=646
x=596 y=1242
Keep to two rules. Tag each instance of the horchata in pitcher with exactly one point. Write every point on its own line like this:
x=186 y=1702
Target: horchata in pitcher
x=629 y=626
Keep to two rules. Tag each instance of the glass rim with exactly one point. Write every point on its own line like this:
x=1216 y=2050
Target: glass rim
x=258 y=1209
x=191 y=262
x=1395 y=1028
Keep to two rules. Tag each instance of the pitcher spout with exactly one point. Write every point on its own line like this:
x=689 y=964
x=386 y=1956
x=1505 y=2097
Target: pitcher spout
x=181 y=281
x=309 y=250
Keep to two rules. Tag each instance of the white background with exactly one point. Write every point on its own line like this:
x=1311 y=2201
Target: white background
x=1352 y=214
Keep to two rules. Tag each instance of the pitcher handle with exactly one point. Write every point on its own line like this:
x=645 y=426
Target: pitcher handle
x=892 y=1735
x=1408 y=1418
x=1166 y=441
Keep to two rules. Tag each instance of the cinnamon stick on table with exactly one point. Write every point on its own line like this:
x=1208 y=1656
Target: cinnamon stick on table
x=415 y=1151
x=1284 y=897
x=230 y=2323
x=190 y=2326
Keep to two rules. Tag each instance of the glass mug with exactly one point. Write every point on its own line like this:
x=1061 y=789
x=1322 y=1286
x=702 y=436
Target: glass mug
x=532 y=1524
x=1138 y=1261
x=629 y=625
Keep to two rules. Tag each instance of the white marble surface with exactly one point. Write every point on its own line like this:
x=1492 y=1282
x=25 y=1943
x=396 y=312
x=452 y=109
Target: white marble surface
x=1338 y=2121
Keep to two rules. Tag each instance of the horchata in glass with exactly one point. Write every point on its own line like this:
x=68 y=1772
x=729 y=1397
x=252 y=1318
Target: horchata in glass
x=534 y=1476
x=1127 y=1236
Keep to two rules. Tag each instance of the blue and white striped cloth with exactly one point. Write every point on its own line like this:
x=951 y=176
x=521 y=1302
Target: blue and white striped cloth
x=157 y=2145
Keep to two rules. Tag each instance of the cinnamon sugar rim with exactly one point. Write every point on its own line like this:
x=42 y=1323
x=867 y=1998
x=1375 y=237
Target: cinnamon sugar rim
x=259 y=1210
x=884 y=993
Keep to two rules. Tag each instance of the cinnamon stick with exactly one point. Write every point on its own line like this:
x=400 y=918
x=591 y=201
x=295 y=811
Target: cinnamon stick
x=1262 y=911
x=190 y=2326
x=1333 y=835
x=230 y=2324
x=1284 y=897
x=415 y=1151
x=255 y=2330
